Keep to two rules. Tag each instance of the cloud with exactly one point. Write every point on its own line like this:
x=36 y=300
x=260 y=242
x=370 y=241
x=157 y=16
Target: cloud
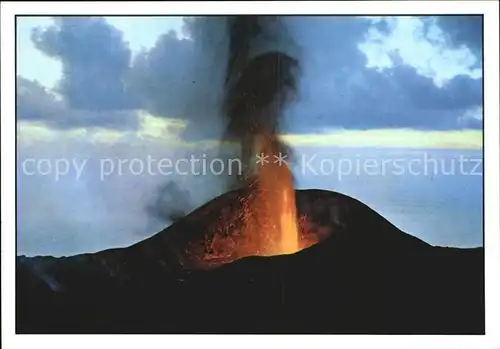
x=419 y=43
x=182 y=77
x=95 y=62
x=36 y=103
x=472 y=117
x=357 y=73
x=355 y=79
x=464 y=30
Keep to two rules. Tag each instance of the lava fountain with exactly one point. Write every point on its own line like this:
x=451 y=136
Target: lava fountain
x=275 y=200
x=259 y=83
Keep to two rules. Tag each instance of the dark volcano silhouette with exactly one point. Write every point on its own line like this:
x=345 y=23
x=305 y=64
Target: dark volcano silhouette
x=364 y=276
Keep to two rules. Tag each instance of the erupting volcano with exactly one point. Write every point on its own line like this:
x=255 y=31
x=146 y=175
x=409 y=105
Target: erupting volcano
x=262 y=258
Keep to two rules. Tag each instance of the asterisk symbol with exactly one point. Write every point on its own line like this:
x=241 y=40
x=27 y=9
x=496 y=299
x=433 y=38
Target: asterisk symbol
x=280 y=159
x=262 y=159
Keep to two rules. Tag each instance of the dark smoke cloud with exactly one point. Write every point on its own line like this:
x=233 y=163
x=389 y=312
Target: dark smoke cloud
x=170 y=202
x=257 y=83
x=260 y=78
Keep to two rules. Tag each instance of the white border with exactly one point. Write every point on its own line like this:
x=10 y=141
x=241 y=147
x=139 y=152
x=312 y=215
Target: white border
x=492 y=227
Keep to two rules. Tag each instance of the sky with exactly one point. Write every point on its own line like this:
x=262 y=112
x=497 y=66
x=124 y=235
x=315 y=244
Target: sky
x=378 y=88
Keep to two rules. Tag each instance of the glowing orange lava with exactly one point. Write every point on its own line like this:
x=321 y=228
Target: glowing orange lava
x=266 y=223
x=274 y=204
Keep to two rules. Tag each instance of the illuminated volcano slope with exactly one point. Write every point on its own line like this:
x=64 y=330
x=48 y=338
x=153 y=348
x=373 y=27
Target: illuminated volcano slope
x=363 y=276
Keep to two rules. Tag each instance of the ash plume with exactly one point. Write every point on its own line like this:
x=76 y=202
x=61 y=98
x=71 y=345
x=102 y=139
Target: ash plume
x=260 y=80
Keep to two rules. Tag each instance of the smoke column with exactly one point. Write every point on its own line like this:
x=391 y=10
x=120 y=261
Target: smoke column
x=251 y=59
x=260 y=79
